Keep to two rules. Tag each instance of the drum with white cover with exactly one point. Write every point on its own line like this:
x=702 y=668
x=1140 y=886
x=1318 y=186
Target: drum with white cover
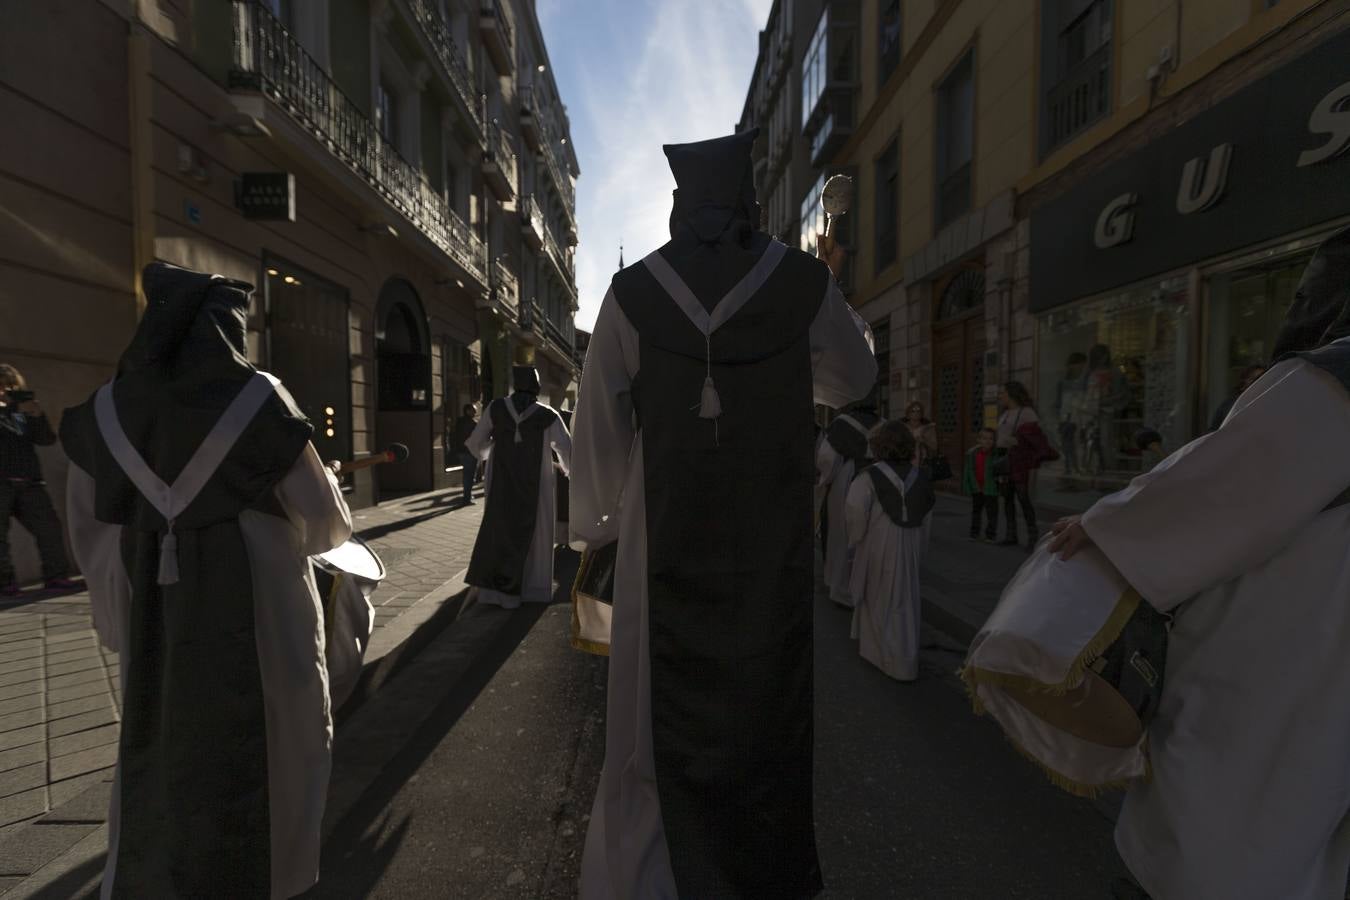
x=346 y=576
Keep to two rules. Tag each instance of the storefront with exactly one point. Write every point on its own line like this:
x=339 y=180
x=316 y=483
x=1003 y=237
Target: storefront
x=1157 y=282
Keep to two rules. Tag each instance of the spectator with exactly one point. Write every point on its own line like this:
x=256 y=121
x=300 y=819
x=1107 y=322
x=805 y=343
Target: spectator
x=23 y=493
x=464 y=427
x=1106 y=392
x=979 y=482
x=1069 y=409
x=1020 y=436
x=1250 y=376
x=924 y=431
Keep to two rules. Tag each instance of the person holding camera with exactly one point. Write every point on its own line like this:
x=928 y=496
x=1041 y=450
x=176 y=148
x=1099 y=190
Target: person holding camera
x=23 y=493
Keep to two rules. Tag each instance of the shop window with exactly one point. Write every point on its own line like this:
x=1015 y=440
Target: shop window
x=888 y=206
x=1246 y=310
x=1108 y=369
x=955 y=140
x=888 y=41
x=881 y=338
x=1075 y=68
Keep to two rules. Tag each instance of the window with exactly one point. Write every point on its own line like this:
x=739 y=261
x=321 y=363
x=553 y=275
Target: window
x=813 y=217
x=888 y=41
x=815 y=69
x=955 y=140
x=1075 y=68
x=386 y=112
x=888 y=205
x=881 y=337
x=284 y=10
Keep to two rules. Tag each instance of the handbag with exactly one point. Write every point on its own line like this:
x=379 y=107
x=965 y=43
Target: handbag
x=939 y=469
x=1002 y=464
x=593 y=599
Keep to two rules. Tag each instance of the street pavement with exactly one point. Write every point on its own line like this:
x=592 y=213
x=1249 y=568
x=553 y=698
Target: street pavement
x=915 y=796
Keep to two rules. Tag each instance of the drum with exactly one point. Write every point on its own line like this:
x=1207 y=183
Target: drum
x=593 y=599
x=346 y=576
x=1070 y=664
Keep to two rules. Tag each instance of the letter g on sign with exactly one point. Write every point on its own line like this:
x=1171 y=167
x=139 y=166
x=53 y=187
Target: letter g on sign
x=1330 y=116
x=1115 y=225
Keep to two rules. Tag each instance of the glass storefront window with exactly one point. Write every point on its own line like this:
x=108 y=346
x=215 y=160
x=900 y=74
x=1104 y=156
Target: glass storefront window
x=1247 y=308
x=1108 y=369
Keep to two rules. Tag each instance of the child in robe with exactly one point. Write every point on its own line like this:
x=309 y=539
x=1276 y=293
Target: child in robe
x=885 y=512
x=979 y=482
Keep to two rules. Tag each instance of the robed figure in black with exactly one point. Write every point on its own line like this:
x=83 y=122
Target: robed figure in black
x=518 y=437
x=194 y=502
x=694 y=450
x=841 y=455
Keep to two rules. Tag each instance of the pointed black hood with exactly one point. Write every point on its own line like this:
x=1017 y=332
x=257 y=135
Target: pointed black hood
x=714 y=187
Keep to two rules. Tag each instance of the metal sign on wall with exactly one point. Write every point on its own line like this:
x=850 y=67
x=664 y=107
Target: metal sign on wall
x=1265 y=162
x=266 y=195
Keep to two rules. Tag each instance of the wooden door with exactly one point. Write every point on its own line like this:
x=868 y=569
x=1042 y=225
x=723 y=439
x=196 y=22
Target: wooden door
x=958 y=386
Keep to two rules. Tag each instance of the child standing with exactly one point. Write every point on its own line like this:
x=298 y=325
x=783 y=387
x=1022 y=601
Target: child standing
x=979 y=482
x=885 y=512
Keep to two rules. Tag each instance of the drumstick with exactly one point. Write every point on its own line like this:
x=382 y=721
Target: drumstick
x=395 y=453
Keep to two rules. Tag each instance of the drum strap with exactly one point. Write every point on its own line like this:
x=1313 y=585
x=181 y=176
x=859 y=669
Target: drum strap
x=171 y=500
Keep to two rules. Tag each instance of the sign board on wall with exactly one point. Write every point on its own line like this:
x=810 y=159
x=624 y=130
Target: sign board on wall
x=267 y=196
x=1270 y=160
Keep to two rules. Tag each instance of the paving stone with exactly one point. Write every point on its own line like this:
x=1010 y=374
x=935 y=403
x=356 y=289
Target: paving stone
x=75 y=692
x=22 y=689
x=83 y=798
x=8 y=665
x=11 y=678
x=22 y=737
x=32 y=848
x=82 y=740
x=23 y=805
x=22 y=756
x=71 y=679
x=82 y=721
x=83 y=762
x=18 y=704
x=78 y=872
x=68 y=655
x=14 y=654
x=82 y=705
x=23 y=779
x=16 y=720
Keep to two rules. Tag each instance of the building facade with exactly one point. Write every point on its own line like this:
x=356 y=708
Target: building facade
x=1109 y=202
x=394 y=176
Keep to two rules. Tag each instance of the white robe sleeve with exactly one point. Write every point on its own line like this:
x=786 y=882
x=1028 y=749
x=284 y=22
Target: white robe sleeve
x=827 y=463
x=603 y=429
x=1230 y=500
x=97 y=549
x=313 y=502
x=561 y=442
x=479 y=443
x=842 y=361
x=858 y=509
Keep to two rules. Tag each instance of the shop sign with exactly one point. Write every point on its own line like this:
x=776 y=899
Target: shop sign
x=1268 y=161
x=267 y=196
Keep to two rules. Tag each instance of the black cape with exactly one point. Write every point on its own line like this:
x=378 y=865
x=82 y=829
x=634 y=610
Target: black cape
x=909 y=510
x=193 y=751
x=847 y=440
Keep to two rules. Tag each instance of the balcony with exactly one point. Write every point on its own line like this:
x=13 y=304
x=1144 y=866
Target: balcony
x=1081 y=99
x=561 y=345
x=269 y=63
x=496 y=34
x=562 y=262
x=835 y=129
x=499 y=162
x=531 y=222
x=529 y=117
x=548 y=155
x=448 y=54
x=505 y=288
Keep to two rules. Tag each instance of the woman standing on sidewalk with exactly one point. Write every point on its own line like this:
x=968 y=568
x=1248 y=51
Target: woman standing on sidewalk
x=924 y=431
x=1024 y=446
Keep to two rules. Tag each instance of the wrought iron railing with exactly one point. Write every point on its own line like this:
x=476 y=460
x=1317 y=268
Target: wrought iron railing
x=563 y=260
x=504 y=284
x=547 y=143
x=530 y=212
x=501 y=150
x=449 y=55
x=1080 y=100
x=269 y=60
x=537 y=317
x=494 y=8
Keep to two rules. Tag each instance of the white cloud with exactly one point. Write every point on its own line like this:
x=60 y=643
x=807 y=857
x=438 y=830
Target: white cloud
x=682 y=77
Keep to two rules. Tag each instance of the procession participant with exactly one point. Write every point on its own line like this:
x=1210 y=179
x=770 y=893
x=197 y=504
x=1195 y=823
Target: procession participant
x=23 y=492
x=195 y=500
x=464 y=426
x=1250 y=794
x=564 y=487
x=887 y=506
x=838 y=458
x=513 y=555
x=694 y=452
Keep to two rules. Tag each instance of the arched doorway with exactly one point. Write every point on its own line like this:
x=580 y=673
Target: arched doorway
x=404 y=401
x=958 y=360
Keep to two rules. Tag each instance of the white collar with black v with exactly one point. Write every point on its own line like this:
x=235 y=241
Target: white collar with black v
x=518 y=417
x=171 y=500
x=710 y=405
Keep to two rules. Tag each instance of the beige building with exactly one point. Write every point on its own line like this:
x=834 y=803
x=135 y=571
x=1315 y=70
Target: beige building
x=1131 y=185
x=395 y=176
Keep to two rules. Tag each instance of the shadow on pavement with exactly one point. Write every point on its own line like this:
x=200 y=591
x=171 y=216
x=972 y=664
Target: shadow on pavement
x=355 y=845
x=71 y=884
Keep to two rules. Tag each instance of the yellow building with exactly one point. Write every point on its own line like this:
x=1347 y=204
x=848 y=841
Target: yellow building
x=1107 y=200
x=394 y=176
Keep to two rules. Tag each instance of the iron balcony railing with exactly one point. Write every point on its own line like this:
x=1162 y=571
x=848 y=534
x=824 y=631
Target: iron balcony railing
x=494 y=8
x=501 y=150
x=563 y=260
x=1081 y=99
x=536 y=317
x=269 y=60
x=550 y=154
x=504 y=284
x=449 y=55
x=559 y=338
x=530 y=212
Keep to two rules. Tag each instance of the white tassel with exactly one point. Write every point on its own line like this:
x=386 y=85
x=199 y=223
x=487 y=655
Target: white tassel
x=168 y=558
x=710 y=407
x=519 y=439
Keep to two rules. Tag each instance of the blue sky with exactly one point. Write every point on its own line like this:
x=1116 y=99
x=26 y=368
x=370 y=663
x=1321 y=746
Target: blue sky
x=636 y=74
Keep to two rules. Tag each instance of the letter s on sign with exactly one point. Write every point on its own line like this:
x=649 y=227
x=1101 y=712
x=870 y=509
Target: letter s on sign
x=1115 y=225
x=1330 y=116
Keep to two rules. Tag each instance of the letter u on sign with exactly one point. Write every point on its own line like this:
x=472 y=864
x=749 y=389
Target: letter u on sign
x=1203 y=180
